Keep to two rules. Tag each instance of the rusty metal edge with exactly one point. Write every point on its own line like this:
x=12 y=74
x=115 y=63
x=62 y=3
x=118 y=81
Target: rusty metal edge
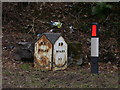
x=52 y=58
x=42 y=65
x=61 y=65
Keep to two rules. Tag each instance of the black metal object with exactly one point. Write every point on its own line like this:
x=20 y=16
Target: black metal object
x=94 y=65
x=95 y=56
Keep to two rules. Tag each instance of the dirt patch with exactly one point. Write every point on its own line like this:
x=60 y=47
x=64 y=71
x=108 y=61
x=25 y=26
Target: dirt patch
x=73 y=77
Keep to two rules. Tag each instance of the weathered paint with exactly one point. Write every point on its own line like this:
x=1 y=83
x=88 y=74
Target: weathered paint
x=49 y=55
x=60 y=54
x=43 y=53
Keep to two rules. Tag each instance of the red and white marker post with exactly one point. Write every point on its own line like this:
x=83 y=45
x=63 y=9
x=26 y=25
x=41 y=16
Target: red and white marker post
x=94 y=48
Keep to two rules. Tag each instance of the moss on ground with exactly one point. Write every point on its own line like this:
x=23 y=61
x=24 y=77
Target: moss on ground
x=75 y=48
x=25 y=66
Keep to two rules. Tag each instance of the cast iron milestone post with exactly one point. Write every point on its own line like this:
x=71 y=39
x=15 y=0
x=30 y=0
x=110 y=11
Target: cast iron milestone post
x=94 y=48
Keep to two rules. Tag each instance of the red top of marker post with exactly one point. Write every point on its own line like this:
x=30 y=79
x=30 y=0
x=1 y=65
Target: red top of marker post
x=94 y=29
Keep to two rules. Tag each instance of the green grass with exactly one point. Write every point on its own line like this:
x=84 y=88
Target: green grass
x=6 y=73
x=25 y=66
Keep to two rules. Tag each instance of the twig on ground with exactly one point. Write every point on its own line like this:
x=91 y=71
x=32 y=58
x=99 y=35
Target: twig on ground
x=33 y=25
x=106 y=19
